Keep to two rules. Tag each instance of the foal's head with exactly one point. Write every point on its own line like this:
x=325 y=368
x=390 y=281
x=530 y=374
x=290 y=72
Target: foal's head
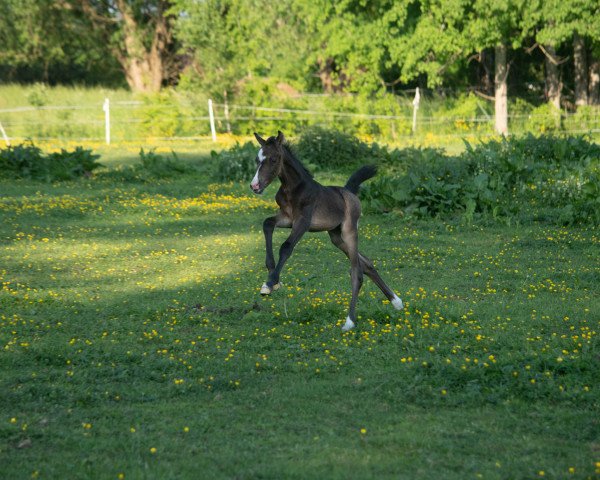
x=269 y=161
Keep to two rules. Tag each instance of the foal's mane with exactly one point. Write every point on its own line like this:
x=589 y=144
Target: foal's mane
x=293 y=161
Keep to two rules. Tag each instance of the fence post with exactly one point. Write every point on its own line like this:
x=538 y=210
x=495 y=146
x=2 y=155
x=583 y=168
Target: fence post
x=415 y=102
x=4 y=135
x=226 y=111
x=211 y=115
x=106 y=108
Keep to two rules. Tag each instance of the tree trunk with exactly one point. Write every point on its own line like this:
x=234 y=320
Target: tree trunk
x=500 y=85
x=594 y=84
x=581 y=71
x=326 y=74
x=144 y=47
x=143 y=67
x=553 y=83
x=487 y=83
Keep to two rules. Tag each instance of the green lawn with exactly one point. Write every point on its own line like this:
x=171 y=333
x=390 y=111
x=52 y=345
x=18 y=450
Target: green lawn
x=135 y=343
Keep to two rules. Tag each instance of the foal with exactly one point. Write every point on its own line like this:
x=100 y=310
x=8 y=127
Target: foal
x=306 y=205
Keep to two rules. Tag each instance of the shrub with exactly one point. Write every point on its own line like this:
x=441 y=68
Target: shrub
x=235 y=164
x=66 y=165
x=161 y=115
x=551 y=177
x=28 y=161
x=159 y=166
x=322 y=148
x=462 y=111
x=20 y=161
x=544 y=119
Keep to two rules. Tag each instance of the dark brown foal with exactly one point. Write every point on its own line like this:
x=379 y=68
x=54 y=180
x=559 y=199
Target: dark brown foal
x=306 y=205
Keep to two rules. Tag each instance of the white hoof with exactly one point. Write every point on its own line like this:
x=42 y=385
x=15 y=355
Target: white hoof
x=397 y=303
x=349 y=325
x=265 y=290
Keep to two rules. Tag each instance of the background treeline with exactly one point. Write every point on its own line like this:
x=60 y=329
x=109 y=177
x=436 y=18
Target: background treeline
x=256 y=51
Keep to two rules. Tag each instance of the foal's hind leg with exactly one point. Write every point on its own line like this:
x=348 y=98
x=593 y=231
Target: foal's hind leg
x=349 y=236
x=371 y=272
x=367 y=267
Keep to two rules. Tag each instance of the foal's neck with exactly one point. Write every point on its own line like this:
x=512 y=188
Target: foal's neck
x=293 y=174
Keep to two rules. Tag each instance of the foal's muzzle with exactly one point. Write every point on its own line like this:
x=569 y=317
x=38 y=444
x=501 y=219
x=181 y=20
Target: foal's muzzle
x=257 y=189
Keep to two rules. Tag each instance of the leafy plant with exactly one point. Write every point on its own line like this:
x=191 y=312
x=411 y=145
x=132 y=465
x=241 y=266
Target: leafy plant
x=550 y=177
x=159 y=166
x=20 y=161
x=28 y=161
x=68 y=165
x=327 y=148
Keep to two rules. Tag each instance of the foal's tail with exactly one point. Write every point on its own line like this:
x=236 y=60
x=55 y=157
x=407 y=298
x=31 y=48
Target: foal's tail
x=358 y=177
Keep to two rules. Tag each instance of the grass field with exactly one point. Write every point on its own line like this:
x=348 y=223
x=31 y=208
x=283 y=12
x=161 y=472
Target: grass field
x=135 y=343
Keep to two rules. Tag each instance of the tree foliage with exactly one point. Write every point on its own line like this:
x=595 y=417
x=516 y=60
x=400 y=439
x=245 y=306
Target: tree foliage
x=235 y=41
x=44 y=40
x=359 y=46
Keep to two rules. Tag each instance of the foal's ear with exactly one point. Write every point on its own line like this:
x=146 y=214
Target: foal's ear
x=259 y=139
x=280 y=138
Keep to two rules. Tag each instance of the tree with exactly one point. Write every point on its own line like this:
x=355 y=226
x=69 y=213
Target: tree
x=42 y=40
x=575 y=21
x=497 y=24
x=350 y=43
x=594 y=80
x=139 y=34
x=237 y=41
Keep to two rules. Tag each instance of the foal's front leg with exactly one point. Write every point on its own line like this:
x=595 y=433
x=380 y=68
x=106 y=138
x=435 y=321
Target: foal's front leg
x=269 y=225
x=299 y=228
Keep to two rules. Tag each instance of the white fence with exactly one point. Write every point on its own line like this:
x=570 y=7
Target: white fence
x=137 y=121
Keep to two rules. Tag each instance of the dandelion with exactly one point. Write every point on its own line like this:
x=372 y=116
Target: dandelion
x=153 y=450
